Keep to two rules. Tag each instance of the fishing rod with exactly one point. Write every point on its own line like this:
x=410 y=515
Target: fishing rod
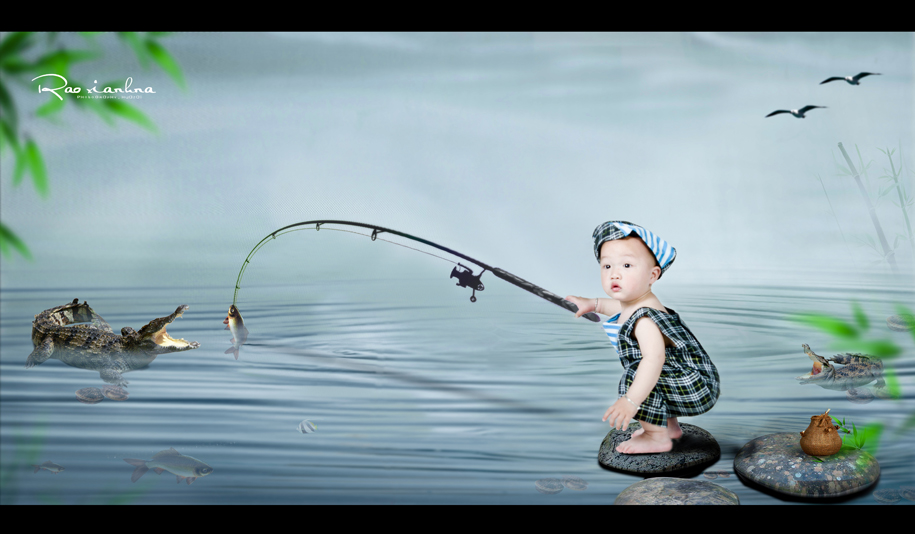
x=464 y=274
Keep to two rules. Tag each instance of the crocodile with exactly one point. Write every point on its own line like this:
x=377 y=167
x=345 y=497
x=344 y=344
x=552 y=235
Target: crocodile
x=95 y=346
x=858 y=370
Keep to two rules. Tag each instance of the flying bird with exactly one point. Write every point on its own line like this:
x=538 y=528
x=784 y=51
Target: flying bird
x=852 y=80
x=799 y=113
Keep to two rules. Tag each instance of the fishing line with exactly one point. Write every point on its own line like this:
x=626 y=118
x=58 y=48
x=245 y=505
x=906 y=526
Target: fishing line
x=464 y=275
x=265 y=241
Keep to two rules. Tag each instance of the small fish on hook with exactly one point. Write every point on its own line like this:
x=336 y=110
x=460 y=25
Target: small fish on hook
x=236 y=325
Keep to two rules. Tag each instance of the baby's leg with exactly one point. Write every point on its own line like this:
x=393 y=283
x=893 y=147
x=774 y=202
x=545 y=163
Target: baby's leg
x=673 y=429
x=653 y=439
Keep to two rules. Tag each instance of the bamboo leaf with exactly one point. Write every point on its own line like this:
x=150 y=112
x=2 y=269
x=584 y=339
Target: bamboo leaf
x=9 y=239
x=129 y=112
x=14 y=43
x=7 y=106
x=907 y=316
x=8 y=136
x=908 y=424
x=52 y=106
x=860 y=316
x=870 y=437
x=132 y=39
x=166 y=62
x=36 y=163
x=883 y=349
x=60 y=60
x=96 y=107
x=20 y=167
x=828 y=324
x=892 y=383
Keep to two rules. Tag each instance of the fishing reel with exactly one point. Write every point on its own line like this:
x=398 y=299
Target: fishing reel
x=466 y=278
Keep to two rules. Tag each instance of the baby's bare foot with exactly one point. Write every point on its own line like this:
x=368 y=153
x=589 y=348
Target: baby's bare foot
x=673 y=430
x=645 y=443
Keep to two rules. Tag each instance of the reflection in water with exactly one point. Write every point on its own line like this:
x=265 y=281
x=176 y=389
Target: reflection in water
x=548 y=485
x=575 y=483
x=115 y=393
x=184 y=467
x=89 y=395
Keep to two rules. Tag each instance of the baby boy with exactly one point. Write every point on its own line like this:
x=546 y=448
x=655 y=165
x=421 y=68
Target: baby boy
x=667 y=373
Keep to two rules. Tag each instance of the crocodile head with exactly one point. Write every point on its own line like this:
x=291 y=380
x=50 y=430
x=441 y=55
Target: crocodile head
x=821 y=372
x=153 y=339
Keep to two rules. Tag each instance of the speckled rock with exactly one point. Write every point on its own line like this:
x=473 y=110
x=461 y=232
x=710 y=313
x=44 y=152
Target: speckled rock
x=695 y=449
x=776 y=462
x=667 y=490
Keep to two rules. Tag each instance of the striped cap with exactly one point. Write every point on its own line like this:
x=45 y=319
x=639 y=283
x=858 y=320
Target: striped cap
x=611 y=230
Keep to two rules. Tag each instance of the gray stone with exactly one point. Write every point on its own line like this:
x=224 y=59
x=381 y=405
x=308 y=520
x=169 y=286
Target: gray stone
x=695 y=449
x=667 y=490
x=777 y=463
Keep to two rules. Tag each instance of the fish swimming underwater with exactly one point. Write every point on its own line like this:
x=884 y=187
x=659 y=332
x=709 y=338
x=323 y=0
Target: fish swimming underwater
x=184 y=467
x=50 y=466
x=237 y=326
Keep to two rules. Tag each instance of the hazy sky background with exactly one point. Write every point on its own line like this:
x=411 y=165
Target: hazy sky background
x=509 y=148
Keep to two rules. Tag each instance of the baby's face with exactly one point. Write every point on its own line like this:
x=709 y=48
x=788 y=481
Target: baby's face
x=627 y=268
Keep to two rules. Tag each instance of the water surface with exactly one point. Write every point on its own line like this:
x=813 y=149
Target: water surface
x=416 y=400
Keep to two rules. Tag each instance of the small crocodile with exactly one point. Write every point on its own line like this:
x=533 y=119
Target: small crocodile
x=95 y=346
x=858 y=370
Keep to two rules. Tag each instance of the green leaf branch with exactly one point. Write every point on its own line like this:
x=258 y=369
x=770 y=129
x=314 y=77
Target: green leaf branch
x=16 y=49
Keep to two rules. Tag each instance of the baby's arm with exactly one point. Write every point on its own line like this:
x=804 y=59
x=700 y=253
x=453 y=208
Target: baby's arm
x=605 y=305
x=651 y=344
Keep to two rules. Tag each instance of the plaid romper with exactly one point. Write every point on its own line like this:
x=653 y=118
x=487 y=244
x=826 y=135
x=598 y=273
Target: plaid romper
x=689 y=382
